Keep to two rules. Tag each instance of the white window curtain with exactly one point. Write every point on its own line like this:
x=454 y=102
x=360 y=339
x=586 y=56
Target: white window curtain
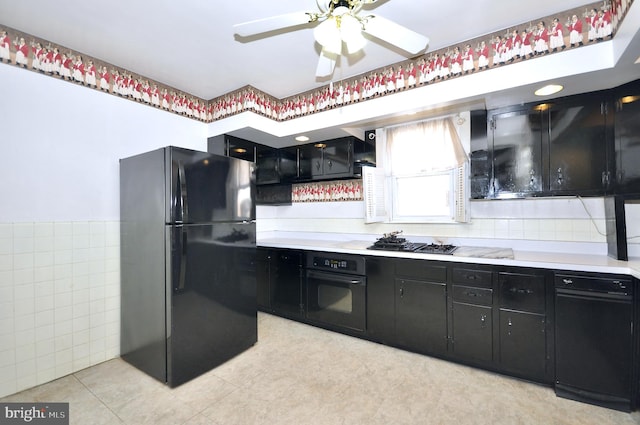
x=424 y=147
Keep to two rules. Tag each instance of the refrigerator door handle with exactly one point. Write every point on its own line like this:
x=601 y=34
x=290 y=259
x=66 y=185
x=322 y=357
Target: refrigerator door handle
x=182 y=186
x=183 y=259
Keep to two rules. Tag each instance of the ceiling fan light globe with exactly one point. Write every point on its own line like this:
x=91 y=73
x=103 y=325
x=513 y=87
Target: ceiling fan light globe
x=328 y=36
x=351 y=33
x=340 y=11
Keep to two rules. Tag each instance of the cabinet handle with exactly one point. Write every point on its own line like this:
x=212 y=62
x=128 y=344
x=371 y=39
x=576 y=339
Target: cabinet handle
x=483 y=318
x=470 y=276
x=401 y=291
x=317 y=165
x=560 y=177
x=567 y=281
x=521 y=291
x=471 y=294
x=329 y=163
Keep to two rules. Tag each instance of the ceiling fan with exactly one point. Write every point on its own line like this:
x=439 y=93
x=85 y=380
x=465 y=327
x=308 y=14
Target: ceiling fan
x=339 y=22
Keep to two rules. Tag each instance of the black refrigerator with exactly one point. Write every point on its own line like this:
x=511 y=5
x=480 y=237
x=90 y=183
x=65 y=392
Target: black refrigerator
x=188 y=247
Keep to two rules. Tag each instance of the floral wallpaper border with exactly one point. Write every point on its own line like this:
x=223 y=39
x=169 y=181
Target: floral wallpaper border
x=331 y=191
x=570 y=29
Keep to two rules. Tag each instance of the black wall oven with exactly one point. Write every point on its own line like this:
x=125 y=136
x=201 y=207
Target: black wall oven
x=336 y=290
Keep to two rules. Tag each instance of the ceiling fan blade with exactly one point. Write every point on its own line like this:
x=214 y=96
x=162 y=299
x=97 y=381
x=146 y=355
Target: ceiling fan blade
x=326 y=64
x=397 y=35
x=273 y=23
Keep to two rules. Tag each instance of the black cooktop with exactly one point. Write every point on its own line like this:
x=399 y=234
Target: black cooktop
x=391 y=242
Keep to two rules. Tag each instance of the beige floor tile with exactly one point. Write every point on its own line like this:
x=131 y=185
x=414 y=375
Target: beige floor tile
x=302 y=375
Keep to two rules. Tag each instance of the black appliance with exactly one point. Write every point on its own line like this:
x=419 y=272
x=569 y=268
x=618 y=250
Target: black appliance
x=594 y=326
x=336 y=290
x=188 y=247
x=391 y=242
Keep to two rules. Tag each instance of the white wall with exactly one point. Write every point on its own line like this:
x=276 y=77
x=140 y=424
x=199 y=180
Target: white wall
x=59 y=220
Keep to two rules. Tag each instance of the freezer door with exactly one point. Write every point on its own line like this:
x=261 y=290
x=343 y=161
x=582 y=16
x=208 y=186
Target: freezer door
x=212 y=312
x=206 y=188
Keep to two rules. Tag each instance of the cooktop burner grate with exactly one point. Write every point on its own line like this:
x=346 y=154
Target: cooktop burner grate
x=391 y=242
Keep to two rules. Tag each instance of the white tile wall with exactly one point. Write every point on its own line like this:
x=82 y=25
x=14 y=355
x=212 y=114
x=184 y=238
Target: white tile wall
x=530 y=220
x=59 y=299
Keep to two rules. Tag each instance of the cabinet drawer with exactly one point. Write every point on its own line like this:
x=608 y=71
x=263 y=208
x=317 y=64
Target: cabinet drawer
x=472 y=277
x=421 y=269
x=524 y=292
x=472 y=295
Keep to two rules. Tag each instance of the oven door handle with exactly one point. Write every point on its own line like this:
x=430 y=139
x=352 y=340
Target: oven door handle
x=336 y=278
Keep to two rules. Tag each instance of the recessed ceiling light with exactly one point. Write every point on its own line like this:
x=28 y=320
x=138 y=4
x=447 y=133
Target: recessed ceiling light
x=548 y=89
x=302 y=139
x=629 y=99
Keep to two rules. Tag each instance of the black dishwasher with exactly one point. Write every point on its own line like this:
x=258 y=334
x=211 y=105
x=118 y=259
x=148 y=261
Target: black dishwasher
x=594 y=339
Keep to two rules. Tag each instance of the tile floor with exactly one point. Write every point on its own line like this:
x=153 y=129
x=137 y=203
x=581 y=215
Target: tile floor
x=298 y=374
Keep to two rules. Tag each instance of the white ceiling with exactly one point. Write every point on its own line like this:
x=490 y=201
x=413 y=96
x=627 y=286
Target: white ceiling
x=190 y=44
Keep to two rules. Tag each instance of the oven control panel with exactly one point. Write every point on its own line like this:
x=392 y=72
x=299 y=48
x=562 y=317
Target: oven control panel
x=353 y=264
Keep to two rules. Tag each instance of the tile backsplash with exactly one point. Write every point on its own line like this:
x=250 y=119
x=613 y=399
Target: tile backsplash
x=59 y=299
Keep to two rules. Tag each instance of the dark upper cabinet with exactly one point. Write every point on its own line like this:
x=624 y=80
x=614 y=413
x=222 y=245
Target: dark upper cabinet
x=326 y=160
x=241 y=149
x=275 y=165
x=627 y=138
x=560 y=147
x=480 y=161
x=516 y=137
x=580 y=148
x=272 y=165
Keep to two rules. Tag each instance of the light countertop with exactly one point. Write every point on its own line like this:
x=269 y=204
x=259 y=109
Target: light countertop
x=467 y=254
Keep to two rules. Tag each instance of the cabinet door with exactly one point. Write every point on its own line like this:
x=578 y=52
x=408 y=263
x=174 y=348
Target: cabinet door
x=240 y=148
x=578 y=153
x=472 y=331
x=517 y=137
x=421 y=315
x=522 y=291
x=310 y=162
x=480 y=169
x=263 y=260
x=627 y=136
x=523 y=344
x=267 y=165
x=286 y=283
x=288 y=164
x=380 y=295
x=337 y=157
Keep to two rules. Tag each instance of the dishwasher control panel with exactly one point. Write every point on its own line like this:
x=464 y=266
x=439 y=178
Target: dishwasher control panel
x=594 y=284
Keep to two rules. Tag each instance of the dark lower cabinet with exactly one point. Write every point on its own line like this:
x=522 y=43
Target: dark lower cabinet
x=523 y=343
x=421 y=315
x=263 y=278
x=279 y=281
x=500 y=318
x=472 y=332
x=525 y=349
x=380 y=296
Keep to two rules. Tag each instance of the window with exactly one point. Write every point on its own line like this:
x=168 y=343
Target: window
x=423 y=177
